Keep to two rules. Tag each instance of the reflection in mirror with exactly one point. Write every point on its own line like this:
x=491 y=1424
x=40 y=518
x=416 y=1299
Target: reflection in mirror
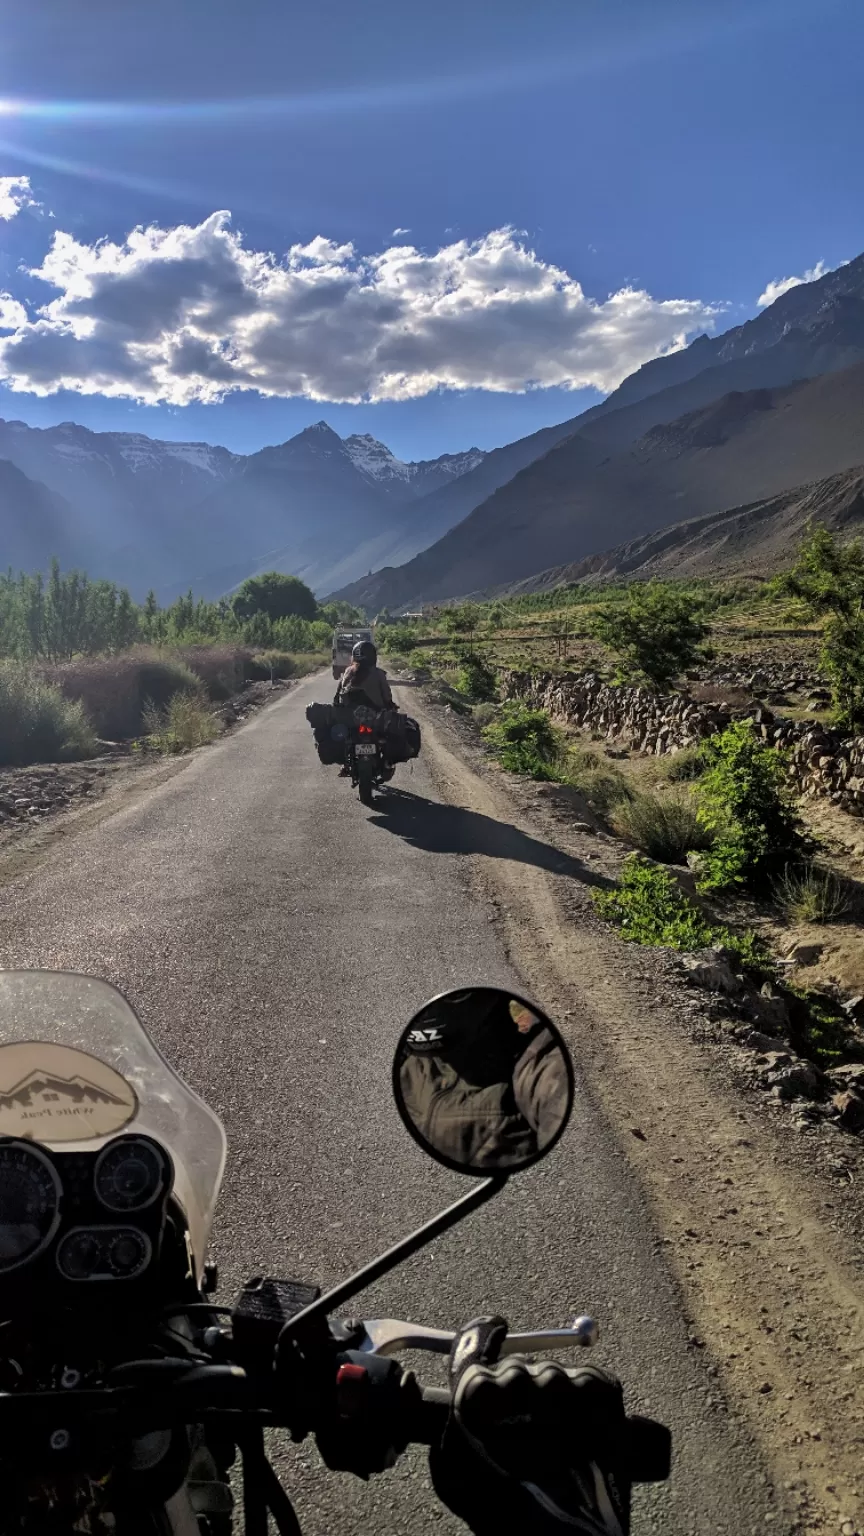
x=483 y=1081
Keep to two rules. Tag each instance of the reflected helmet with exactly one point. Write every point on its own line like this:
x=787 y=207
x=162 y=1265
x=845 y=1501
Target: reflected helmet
x=364 y=650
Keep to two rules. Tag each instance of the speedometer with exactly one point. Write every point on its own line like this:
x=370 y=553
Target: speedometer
x=30 y=1191
x=130 y=1173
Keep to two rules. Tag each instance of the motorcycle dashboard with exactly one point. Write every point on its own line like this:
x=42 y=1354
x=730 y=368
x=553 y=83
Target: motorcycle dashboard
x=82 y=1217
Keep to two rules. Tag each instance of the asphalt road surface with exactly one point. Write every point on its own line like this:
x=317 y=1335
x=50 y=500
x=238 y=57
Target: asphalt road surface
x=274 y=937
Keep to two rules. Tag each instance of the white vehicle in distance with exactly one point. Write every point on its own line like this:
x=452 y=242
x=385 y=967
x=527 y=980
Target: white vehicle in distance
x=344 y=641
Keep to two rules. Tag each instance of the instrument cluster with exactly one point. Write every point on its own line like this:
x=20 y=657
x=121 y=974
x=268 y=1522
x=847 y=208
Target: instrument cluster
x=94 y=1216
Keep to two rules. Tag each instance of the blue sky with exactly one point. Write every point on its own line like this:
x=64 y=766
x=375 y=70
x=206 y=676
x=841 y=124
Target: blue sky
x=681 y=153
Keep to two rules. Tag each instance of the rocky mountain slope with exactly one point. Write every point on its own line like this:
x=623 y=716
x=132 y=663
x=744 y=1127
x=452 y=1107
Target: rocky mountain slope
x=744 y=447
x=30 y=516
x=756 y=539
x=813 y=330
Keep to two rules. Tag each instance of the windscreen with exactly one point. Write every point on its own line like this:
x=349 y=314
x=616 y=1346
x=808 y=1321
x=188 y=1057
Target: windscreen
x=77 y=1067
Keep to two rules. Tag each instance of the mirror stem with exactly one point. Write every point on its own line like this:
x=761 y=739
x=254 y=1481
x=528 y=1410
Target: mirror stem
x=395 y=1255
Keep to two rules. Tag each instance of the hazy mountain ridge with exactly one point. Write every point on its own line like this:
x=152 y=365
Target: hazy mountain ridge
x=146 y=511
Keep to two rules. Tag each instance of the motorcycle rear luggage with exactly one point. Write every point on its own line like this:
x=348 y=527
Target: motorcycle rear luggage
x=401 y=738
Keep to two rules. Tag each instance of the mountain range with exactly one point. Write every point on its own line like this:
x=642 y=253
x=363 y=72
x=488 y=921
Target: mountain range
x=173 y=515
x=727 y=422
x=752 y=413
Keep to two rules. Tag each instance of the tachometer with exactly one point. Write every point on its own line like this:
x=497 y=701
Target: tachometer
x=130 y=1173
x=30 y=1192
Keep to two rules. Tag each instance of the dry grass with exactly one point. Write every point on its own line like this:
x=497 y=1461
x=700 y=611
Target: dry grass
x=186 y=722
x=807 y=893
x=666 y=827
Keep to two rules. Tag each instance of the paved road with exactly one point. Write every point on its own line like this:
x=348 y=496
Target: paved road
x=274 y=937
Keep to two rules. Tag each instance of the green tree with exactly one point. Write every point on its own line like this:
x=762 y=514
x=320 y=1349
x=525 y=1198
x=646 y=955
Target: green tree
x=276 y=596
x=656 y=632
x=828 y=578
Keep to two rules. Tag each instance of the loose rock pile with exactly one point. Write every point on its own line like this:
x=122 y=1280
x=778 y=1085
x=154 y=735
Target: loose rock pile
x=770 y=1062
x=763 y=680
x=29 y=795
x=821 y=761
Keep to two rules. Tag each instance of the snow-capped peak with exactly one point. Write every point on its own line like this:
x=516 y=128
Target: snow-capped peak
x=374 y=459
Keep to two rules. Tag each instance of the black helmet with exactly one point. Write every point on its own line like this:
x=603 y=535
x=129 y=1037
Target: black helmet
x=364 y=650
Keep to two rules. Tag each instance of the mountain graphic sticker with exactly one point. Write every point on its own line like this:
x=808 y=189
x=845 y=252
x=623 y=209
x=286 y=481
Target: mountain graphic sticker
x=55 y=1094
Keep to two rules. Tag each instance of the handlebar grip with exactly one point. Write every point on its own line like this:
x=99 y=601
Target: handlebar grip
x=433 y=1412
x=647 y=1452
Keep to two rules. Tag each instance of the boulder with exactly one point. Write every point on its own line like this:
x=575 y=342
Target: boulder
x=803 y=953
x=711 y=969
x=789 y=1077
x=850 y=1109
x=849 y=1075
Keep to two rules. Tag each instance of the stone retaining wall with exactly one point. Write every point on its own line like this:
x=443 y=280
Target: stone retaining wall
x=821 y=761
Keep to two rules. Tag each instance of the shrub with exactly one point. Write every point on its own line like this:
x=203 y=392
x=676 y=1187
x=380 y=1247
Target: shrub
x=599 y=783
x=185 y=722
x=477 y=680
x=37 y=724
x=222 y=669
x=666 y=827
x=684 y=766
x=809 y=894
x=276 y=663
x=744 y=800
x=657 y=631
x=484 y=714
x=525 y=741
x=114 y=689
x=650 y=908
x=395 y=637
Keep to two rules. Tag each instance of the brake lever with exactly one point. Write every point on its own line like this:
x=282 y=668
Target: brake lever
x=388 y=1335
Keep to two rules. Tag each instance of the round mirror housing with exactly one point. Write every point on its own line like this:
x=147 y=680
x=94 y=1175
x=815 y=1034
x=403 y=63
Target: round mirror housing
x=483 y=1081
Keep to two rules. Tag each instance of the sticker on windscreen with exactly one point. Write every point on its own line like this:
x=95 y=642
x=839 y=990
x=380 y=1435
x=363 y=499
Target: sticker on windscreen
x=53 y=1093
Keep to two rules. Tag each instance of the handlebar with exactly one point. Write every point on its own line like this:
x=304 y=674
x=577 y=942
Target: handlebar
x=147 y=1395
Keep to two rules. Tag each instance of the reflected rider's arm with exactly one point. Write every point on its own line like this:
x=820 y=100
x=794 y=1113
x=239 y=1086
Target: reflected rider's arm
x=541 y=1086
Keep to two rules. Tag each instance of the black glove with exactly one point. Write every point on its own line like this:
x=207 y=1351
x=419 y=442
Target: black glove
x=531 y=1449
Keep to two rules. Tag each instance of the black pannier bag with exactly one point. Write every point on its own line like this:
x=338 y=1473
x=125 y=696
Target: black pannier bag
x=401 y=737
x=330 y=732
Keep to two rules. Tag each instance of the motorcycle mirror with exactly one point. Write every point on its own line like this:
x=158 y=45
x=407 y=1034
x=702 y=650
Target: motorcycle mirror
x=483 y=1081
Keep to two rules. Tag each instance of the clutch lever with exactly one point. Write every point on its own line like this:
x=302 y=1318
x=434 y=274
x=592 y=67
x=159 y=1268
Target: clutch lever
x=388 y=1336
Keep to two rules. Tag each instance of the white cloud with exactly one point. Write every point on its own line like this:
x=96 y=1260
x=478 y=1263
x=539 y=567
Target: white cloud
x=15 y=194
x=782 y=285
x=399 y=231
x=191 y=313
x=12 y=314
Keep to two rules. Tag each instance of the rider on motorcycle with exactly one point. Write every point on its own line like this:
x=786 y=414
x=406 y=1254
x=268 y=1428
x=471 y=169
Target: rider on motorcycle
x=364 y=682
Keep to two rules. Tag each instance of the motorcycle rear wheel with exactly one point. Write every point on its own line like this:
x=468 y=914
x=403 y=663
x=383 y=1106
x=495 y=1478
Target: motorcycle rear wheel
x=364 y=790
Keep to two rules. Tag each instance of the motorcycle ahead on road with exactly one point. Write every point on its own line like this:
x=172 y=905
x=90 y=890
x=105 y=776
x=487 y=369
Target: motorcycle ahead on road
x=126 y=1391
x=369 y=743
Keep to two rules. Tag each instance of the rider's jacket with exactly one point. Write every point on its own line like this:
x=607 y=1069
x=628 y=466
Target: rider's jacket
x=374 y=686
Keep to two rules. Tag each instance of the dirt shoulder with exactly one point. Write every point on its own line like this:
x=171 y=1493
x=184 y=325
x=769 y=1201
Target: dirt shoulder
x=759 y=1210
x=48 y=802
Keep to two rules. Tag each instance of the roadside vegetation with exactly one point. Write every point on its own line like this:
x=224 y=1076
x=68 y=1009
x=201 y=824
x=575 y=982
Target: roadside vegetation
x=37 y=724
x=82 y=662
x=723 y=856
